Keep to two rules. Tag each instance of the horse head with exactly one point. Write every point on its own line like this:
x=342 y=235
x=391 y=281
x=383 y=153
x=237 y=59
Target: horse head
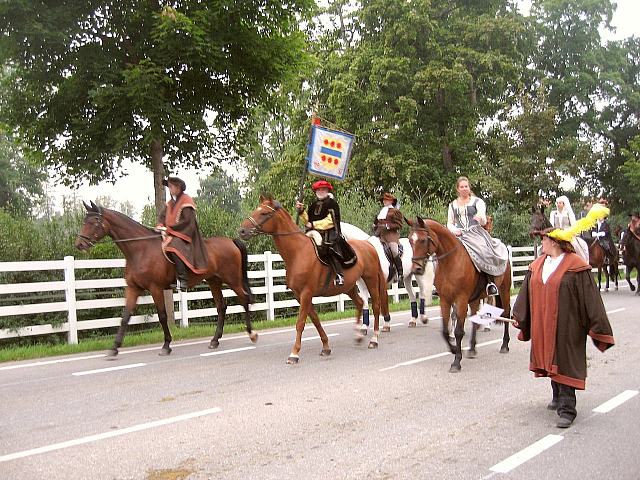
x=423 y=243
x=94 y=227
x=258 y=221
x=539 y=220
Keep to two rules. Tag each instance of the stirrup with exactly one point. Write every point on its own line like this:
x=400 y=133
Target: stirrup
x=491 y=289
x=339 y=280
x=180 y=285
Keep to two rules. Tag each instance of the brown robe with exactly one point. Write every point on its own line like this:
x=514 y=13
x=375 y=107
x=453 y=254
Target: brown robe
x=183 y=235
x=389 y=229
x=558 y=316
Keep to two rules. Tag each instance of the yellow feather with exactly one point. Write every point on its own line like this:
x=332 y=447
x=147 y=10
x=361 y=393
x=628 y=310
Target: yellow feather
x=596 y=213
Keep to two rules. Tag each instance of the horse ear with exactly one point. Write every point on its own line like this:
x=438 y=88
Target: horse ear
x=94 y=207
x=420 y=222
x=87 y=207
x=409 y=222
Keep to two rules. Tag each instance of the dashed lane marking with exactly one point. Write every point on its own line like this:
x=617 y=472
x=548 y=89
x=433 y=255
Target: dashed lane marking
x=110 y=369
x=526 y=454
x=616 y=401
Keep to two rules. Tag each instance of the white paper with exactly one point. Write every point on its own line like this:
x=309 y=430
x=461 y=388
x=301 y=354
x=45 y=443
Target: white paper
x=486 y=315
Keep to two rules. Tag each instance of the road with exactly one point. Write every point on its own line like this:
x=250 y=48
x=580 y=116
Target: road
x=391 y=413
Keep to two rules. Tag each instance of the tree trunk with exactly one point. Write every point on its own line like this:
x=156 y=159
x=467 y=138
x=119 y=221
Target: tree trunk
x=447 y=156
x=158 y=174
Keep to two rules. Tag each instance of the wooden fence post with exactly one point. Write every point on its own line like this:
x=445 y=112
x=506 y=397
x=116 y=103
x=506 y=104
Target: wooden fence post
x=70 y=296
x=268 y=280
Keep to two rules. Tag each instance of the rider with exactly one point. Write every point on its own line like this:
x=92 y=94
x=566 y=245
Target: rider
x=387 y=226
x=602 y=231
x=632 y=226
x=564 y=218
x=466 y=217
x=182 y=242
x=323 y=216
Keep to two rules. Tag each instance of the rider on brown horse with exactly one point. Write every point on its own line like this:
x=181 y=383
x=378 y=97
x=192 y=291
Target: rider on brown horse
x=323 y=216
x=387 y=226
x=182 y=242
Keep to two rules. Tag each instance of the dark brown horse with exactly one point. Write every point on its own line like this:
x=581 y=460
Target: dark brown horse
x=147 y=269
x=631 y=255
x=308 y=277
x=456 y=282
x=598 y=259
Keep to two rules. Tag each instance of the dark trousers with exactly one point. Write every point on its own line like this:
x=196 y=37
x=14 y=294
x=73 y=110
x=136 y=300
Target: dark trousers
x=566 y=398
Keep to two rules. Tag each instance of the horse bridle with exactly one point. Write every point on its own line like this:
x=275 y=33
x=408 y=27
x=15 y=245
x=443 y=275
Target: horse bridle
x=100 y=223
x=257 y=226
x=431 y=257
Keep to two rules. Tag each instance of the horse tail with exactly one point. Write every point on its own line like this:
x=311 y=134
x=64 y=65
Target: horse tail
x=245 y=262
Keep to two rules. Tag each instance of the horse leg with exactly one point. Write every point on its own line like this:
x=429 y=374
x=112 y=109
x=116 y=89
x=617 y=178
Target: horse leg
x=426 y=292
x=305 y=306
x=445 y=312
x=158 y=299
x=244 y=298
x=358 y=299
x=461 y=314
x=326 y=350
x=473 y=353
x=131 y=299
x=215 y=286
x=380 y=305
x=504 y=301
x=408 y=285
x=627 y=277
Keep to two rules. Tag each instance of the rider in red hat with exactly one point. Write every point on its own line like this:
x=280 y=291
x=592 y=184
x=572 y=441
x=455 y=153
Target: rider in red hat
x=181 y=242
x=323 y=216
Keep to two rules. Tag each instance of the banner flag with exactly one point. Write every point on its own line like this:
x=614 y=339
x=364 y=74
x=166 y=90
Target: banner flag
x=329 y=152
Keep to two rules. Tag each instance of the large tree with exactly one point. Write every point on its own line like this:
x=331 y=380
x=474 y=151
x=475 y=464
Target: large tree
x=92 y=83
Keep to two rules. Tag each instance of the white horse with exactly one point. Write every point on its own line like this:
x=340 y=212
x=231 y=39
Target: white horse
x=425 y=281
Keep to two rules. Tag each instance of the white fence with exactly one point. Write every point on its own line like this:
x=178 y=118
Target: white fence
x=267 y=284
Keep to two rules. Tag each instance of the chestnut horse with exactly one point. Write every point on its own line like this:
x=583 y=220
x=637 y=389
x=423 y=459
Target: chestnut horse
x=456 y=282
x=598 y=259
x=148 y=269
x=307 y=277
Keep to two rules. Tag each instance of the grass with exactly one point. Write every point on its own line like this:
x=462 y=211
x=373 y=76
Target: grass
x=155 y=336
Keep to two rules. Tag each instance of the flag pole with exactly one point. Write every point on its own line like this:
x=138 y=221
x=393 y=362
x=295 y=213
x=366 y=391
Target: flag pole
x=314 y=121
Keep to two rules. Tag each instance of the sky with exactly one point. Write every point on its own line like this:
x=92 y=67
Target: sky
x=136 y=186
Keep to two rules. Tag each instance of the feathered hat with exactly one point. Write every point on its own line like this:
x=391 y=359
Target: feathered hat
x=597 y=212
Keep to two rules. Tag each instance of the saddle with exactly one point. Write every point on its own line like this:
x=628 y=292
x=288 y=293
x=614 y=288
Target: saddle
x=340 y=250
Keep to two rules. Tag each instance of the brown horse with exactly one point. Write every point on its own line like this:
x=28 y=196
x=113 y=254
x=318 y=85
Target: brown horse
x=457 y=283
x=307 y=277
x=148 y=269
x=631 y=255
x=598 y=259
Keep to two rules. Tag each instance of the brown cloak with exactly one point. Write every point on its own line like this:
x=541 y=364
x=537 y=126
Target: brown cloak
x=183 y=235
x=558 y=316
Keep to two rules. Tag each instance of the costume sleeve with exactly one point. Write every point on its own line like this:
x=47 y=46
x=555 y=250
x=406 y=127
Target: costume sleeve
x=304 y=216
x=186 y=227
x=324 y=224
x=481 y=208
x=521 y=310
x=593 y=311
x=451 y=219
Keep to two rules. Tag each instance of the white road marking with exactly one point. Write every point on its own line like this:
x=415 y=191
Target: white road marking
x=526 y=454
x=51 y=362
x=436 y=355
x=617 y=310
x=222 y=352
x=110 y=434
x=616 y=401
x=316 y=337
x=110 y=369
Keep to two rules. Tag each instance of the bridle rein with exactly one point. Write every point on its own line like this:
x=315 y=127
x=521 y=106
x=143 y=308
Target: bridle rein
x=431 y=257
x=100 y=223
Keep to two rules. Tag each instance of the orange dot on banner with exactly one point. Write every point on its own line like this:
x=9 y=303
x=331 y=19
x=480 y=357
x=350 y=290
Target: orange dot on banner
x=333 y=143
x=326 y=142
x=324 y=157
x=335 y=161
x=339 y=145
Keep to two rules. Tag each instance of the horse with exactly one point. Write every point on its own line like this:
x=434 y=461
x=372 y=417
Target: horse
x=148 y=269
x=631 y=256
x=307 y=276
x=598 y=259
x=457 y=281
x=425 y=281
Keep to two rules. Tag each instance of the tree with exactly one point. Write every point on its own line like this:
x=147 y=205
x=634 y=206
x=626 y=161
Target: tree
x=220 y=191
x=20 y=180
x=92 y=83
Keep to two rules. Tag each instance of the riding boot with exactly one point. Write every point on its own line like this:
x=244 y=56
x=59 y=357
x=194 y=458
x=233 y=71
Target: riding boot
x=182 y=273
x=492 y=289
x=398 y=263
x=337 y=267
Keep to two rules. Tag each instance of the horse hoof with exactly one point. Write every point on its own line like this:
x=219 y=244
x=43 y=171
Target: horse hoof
x=292 y=360
x=364 y=330
x=325 y=352
x=632 y=287
x=112 y=354
x=165 y=352
x=472 y=354
x=373 y=344
x=412 y=324
x=455 y=369
x=213 y=344
x=504 y=349
x=359 y=336
x=253 y=336
x=386 y=328
x=424 y=320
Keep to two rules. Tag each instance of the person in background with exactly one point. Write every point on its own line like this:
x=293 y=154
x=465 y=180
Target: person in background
x=602 y=232
x=182 y=243
x=557 y=308
x=387 y=226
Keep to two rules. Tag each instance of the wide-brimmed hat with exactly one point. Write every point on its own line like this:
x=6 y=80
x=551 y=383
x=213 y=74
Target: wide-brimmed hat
x=176 y=181
x=565 y=245
x=321 y=184
x=386 y=196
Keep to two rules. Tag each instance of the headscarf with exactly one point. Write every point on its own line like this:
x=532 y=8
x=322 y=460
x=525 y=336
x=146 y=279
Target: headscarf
x=567 y=208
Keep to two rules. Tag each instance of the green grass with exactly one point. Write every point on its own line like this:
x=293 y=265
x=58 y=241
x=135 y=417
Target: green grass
x=155 y=336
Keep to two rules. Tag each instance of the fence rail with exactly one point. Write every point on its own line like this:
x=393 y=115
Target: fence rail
x=267 y=284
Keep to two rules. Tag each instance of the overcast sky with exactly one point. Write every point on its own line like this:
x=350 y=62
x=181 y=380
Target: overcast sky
x=137 y=186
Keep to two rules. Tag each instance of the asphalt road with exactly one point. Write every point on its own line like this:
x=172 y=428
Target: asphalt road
x=391 y=413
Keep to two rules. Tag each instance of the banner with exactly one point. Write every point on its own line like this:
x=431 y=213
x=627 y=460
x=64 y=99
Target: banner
x=329 y=152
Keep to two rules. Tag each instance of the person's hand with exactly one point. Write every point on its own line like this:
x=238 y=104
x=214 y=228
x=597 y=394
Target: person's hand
x=162 y=230
x=457 y=232
x=299 y=206
x=308 y=225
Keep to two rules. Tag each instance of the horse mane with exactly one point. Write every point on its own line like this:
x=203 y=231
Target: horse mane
x=129 y=219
